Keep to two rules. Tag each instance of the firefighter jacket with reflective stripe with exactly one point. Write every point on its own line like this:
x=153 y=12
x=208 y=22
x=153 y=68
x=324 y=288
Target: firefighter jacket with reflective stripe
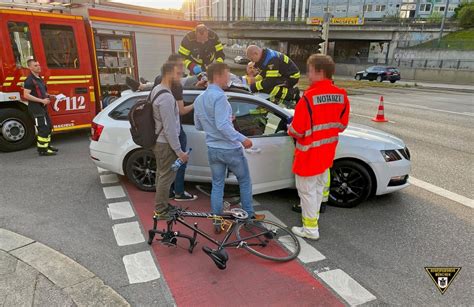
x=274 y=67
x=317 y=136
x=201 y=54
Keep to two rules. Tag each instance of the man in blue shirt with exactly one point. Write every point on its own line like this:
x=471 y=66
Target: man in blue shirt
x=213 y=114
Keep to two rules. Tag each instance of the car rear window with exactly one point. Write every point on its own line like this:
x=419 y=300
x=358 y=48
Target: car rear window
x=121 y=111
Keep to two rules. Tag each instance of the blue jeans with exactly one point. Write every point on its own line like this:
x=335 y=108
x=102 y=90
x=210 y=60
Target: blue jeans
x=178 y=186
x=233 y=159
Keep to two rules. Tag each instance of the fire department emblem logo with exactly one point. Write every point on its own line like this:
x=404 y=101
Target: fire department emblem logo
x=270 y=66
x=443 y=276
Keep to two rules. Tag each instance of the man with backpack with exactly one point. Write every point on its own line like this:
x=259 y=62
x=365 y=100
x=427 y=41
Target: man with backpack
x=167 y=126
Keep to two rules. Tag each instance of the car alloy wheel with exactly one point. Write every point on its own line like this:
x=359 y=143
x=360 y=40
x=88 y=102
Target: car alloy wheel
x=358 y=77
x=350 y=184
x=141 y=169
x=379 y=79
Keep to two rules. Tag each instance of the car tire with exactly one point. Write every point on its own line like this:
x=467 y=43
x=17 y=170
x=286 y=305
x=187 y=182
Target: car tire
x=379 y=79
x=351 y=184
x=17 y=131
x=140 y=169
x=358 y=77
x=393 y=81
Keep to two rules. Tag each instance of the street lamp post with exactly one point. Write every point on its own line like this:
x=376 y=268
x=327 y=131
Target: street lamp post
x=442 y=23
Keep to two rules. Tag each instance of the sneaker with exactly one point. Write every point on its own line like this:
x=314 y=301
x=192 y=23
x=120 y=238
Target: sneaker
x=258 y=217
x=48 y=152
x=301 y=232
x=165 y=214
x=132 y=84
x=185 y=197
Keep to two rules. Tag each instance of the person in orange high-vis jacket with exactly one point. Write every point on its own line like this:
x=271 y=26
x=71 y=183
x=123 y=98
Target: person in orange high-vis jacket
x=320 y=115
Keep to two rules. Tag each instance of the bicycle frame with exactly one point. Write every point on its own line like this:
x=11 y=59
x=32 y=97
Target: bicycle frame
x=169 y=234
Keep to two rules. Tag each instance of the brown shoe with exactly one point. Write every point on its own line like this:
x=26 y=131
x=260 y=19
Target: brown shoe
x=258 y=217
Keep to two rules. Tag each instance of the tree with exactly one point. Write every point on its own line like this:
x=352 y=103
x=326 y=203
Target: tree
x=466 y=16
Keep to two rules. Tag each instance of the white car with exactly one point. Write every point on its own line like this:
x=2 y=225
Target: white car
x=368 y=161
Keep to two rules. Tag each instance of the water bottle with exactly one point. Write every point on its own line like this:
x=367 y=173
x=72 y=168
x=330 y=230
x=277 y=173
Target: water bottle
x=177 y=164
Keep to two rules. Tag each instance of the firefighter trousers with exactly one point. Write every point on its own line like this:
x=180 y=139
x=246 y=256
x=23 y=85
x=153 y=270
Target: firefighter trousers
x=43 y=126
x=310 y=191
x=283 y=89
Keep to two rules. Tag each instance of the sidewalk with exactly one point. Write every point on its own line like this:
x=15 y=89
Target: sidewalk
x=32 y=274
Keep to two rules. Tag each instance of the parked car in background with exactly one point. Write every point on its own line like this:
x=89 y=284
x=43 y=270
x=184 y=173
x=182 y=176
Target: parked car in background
x=379 y=73
x=368 y=161
x=241 y=60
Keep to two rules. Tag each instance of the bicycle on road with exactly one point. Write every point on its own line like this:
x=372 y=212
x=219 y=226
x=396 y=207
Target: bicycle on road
x=265 y=239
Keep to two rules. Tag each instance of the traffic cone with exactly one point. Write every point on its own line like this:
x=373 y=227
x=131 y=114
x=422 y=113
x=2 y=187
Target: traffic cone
x=380 y=117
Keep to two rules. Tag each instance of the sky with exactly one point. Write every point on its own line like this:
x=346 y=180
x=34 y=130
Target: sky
x=160 y=4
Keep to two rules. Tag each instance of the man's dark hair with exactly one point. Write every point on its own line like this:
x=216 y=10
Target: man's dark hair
x=30 y=61
x=175 y=57
x=167 y=68
x=216 y=69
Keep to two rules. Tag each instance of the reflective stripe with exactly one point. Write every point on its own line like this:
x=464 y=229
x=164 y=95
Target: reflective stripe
x=184 y=51
x=220 y=60
x=219 y=47
x=317 y=143
x=272 y=73
x=258 y=78
x=45 y=145
x=42 y=139
x=9 y=78
x=187 y=63
x=284 y=92
x=295 y=75
x=286 y=59
x=199 y=61
x=324 y=127
x=274 y=91
x=259 y=86
x=311 y=223
x=7 y=83
x=293 y=131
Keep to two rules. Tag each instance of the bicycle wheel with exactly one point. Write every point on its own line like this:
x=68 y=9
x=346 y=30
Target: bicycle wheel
x=268 y=240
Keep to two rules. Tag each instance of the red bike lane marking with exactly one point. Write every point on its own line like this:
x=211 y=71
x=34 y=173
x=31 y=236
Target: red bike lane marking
x=248 y=280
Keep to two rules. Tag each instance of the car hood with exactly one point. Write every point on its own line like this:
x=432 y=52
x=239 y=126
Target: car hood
x=371 y=137
x=360 y=72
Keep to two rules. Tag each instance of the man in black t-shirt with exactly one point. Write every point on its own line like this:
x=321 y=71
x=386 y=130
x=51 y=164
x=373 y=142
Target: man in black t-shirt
x=36 y=92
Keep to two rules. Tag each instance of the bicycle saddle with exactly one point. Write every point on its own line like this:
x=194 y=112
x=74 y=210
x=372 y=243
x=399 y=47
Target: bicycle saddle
x=219 y=257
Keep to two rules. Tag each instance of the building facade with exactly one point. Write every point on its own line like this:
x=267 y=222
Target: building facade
x=300 y=10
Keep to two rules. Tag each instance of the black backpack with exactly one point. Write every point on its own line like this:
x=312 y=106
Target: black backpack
x=142 y=122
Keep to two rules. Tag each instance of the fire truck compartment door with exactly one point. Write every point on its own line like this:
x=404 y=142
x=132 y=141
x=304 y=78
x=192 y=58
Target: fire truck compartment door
x=153 y=50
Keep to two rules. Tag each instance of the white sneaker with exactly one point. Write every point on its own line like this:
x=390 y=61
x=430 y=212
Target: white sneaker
x=301 y=232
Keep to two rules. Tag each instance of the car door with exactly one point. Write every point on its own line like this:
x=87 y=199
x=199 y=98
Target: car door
x=369 y=73
x=271 y=157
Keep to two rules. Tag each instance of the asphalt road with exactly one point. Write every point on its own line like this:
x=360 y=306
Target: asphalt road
x=384 y=243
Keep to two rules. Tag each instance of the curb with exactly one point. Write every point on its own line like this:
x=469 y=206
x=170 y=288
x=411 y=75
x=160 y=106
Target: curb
x=75 y=282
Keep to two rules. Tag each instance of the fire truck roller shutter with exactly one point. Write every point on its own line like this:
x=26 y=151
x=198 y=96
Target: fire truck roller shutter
x=152 y=51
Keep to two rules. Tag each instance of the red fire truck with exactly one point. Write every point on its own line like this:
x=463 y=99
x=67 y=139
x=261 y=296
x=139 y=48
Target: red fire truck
x=85 y=54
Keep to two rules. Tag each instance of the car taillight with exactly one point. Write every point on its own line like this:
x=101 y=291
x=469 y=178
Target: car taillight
x=389 y=72
x=96 y=131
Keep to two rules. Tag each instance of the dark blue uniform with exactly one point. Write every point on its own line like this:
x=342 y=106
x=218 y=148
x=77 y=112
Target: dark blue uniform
x=39 y=112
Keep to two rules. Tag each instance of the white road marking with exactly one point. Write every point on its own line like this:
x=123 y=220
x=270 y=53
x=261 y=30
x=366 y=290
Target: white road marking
x=110 y=178
x=128 y=233
x=307 y=253
x=101 y=170
x=121 y=210
x=140 y=267
x=115 y=191
x=468 y=202
x=360 y=115
x=269 y=216
x=414 y=106
x=344 y=285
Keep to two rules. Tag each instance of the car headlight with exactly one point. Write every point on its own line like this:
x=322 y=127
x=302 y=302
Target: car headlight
x=390 y=155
